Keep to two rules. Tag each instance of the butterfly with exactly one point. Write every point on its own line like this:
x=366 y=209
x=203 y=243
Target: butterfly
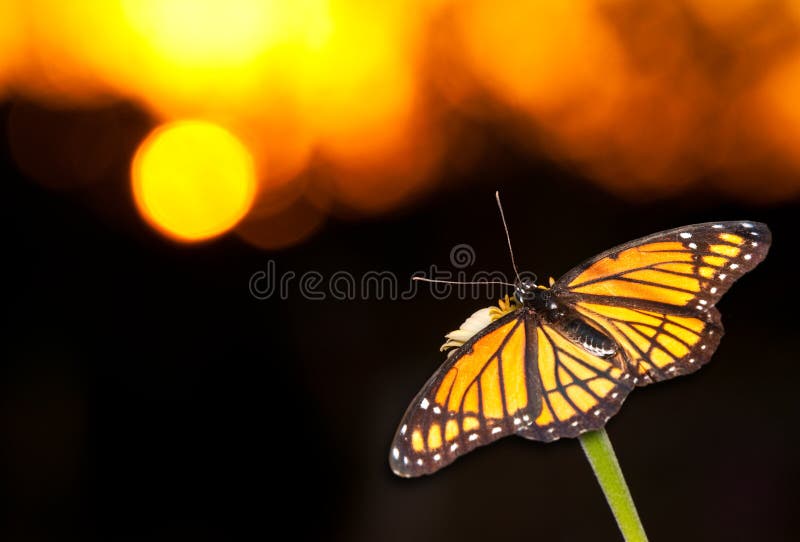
x=557 y=361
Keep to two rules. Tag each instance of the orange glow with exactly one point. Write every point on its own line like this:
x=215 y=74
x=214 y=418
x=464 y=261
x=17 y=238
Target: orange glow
x=11 y=40
x=65 y=65
x=542 y=55
x=779 y=119
x=193 y=180
x=646 y=101
x=725 y=15
x=345 y=66
x=216 y=32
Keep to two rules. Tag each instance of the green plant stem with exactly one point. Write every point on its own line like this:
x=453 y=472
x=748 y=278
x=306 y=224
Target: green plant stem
x=606 y=468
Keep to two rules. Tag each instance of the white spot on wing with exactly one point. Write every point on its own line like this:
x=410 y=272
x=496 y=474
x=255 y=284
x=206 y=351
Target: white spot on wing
x=734 y=266
x=420 y=462
x=454 y=447
x=713 y=290
x=747 y=225
x=574 y=424
x=403 y=429
x=702 y=347
x=717 y=226
x=686 y=234
x=496 y=430
x=437 y=410
x=692 y=245
x=424 y=404
x=473 y=436
x=614 y=395
x=691 y=360
x=703 y=302
x=748 y=256
x=517 y=421
x=437 y=457
x=722 y=276
x=396 y=453
x=754 y=244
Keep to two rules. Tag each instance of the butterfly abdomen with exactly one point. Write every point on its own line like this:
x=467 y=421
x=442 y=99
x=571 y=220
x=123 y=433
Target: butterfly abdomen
x=589 y=338
x=574 y=326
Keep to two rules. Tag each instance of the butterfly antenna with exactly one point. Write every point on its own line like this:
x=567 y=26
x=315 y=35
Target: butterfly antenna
x=508 y=237
x=423 y=279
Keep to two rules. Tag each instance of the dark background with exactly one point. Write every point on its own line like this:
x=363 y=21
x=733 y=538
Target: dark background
x=146 y=395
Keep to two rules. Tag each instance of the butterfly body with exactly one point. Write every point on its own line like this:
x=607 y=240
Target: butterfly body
x=543 y=302
x=590 y=339
x=560 y=361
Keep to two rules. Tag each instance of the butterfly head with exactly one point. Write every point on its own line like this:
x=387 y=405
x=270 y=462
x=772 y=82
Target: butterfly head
x=525 y=290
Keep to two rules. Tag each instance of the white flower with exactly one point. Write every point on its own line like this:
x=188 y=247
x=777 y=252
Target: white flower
x=476 y=322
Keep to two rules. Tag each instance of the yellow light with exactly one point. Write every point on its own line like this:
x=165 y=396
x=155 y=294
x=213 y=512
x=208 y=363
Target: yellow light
x=11 y=41
x=219 y=32
x=193 y=180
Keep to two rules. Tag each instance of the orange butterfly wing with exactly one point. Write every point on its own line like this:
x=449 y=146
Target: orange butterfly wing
x=578 y=391
x=517 y=376
x=655 y=296
x=470 y=401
